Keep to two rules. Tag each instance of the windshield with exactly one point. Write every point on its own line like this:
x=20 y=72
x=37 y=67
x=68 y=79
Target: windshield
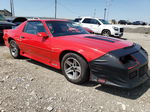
x=64 y=28
x=2 y=18
x=104 y=21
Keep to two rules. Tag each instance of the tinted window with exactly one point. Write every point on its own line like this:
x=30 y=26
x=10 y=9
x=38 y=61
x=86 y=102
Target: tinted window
x=63 y=28
x=104 y=21
x=87 y=21
x=94 y=21
x=90 y=21
x=34 y=27
x=77 y=20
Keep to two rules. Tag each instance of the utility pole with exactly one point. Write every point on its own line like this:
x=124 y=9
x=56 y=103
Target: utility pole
x=55 y=9
x=94 y=13
x=12 y=8
x=108 y=5
x=105 y=13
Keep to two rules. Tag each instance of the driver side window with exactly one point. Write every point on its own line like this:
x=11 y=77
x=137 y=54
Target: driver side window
x=94 y=21
x=91 y=21
x=34 y=27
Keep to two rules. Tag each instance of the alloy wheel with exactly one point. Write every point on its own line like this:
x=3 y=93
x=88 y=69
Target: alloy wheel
x=72 y=68
x=13 y=49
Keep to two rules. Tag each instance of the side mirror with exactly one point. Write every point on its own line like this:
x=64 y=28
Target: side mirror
x=42 y=34
x=99 y=23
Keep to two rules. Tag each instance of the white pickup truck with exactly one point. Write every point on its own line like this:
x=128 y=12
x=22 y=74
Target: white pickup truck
x=100 y=26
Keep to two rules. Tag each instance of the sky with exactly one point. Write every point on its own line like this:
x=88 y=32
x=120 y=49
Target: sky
x=116 y=9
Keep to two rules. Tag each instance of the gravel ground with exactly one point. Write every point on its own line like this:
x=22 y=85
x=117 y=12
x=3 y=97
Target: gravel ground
x=29 y=86
x=137 y=30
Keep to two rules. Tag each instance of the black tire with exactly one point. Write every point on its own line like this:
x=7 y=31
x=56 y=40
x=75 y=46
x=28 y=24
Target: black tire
x=106 y=33
x=81 y=76
x=14 y=49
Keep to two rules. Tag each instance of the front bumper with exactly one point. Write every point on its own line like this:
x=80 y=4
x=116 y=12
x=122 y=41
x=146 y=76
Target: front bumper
x=110 y=69
x=118 y=33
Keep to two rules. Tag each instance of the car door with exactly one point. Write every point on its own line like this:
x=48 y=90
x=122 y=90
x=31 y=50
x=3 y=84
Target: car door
x=92 y=24
x=87 y=23
x=34 y=46
x=96 y=25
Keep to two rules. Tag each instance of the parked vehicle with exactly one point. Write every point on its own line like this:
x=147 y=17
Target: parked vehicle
x=77 y=19
x=124 y=22
x=18 y=20
x=139 y=23
x=4 y=25
x=81 y=56
x=100 y=26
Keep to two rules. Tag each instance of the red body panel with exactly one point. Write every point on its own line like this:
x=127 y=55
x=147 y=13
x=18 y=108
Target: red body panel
x=48 y=50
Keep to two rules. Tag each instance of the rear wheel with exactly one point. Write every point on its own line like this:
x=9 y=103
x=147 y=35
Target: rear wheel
x=14 y=49
x=106 y=33
x=75 y=68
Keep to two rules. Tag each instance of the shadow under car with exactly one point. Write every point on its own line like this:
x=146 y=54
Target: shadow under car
x=133 y=94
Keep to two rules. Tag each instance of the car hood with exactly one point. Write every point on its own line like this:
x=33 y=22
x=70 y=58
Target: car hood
x=96 y=42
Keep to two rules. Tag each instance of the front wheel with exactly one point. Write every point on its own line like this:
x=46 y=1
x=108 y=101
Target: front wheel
x=14 y=49
x=106 y=33
x=75 y=68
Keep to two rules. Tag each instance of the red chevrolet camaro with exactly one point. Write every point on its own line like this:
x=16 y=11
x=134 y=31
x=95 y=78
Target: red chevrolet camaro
x=81 y=56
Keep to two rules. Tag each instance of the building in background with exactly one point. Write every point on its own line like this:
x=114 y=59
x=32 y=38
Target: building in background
x=5 y=13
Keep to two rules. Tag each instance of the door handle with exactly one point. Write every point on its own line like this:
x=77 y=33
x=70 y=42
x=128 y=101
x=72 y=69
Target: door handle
x=22 y=37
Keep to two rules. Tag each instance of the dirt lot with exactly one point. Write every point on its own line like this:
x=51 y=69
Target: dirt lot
x=29 y=86
x=136 y=29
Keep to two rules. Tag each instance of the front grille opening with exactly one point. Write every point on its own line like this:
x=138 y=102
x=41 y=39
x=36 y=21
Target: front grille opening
x=143 y=70
x=121 y=30
x=133 y=75
x=128 y=61
x=139 y=73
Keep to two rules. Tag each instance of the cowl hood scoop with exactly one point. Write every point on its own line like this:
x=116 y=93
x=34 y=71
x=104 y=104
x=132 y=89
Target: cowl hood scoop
x=107 y=39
